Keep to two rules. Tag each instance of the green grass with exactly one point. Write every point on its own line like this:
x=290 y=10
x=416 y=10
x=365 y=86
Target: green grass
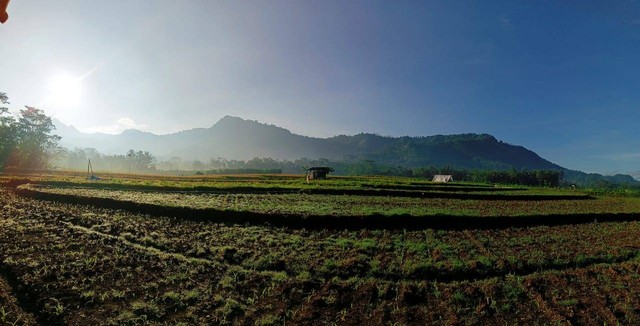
x=338 y=205
x=267 y=182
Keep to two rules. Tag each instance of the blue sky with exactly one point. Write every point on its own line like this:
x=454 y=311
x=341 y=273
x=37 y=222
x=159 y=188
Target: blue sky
x=559 y=77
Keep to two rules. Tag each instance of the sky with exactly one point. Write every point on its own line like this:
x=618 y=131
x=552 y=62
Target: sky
x=561 y=78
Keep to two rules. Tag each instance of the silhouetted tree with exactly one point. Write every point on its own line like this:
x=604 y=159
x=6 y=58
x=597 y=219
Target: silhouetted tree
x=27 y=142
x=36 y=143
x=141 y=161
x=8 y=133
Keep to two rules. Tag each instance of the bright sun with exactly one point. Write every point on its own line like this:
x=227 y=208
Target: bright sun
x=65 y=90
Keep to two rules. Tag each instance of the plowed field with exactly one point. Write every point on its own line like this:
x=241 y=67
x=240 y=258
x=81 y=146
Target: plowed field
x=71 y=260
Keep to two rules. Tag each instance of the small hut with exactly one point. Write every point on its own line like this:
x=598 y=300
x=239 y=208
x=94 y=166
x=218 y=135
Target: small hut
x=442 y=178
x=318 y=172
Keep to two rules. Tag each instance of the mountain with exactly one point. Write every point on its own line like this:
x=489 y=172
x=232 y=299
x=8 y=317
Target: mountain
x=461 y=151
x=231 y=138
x=236 y=138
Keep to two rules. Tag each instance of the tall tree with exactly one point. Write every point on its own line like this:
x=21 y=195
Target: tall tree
x=8 y=131
x=141 y=161
x=36 y=143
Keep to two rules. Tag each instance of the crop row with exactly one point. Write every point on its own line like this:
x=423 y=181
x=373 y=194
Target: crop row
x=386 y=254
x=341 y=205
x=222 y=181
x=281 y=183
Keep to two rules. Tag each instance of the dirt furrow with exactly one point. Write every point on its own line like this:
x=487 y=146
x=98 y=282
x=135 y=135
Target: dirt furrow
x=441 y=278
x=17 y=304
x=148 y=249
x=375 y=221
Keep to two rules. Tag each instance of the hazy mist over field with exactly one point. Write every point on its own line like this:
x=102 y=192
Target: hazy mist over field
x=559 y=78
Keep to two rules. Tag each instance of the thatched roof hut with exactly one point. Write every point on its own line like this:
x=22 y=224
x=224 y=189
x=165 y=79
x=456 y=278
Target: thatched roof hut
x=318 y=172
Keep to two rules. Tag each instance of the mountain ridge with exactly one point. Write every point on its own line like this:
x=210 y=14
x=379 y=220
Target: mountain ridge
x=240 y=139
x=256 y=139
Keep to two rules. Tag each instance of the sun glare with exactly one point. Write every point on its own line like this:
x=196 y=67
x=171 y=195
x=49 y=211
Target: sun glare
x=65 y=90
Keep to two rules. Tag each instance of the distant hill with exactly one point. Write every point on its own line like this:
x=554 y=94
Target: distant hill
x=239 y=139
x=236 y=138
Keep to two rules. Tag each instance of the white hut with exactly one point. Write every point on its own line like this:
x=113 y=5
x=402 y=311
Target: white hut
x=442 y=178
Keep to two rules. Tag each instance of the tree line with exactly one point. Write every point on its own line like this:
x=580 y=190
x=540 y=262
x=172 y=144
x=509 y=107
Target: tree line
x=26 y=141
x=546 y=178
x=131 y=162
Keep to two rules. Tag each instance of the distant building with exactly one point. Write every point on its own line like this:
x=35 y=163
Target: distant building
x=442 y=178
x=318 y=172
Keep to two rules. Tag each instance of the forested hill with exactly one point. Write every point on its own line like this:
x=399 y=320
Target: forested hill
x=236 y=138
x=468 y=151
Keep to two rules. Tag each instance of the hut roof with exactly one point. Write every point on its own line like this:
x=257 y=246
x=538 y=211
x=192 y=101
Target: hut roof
x=442 y=178
x=321 y=168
